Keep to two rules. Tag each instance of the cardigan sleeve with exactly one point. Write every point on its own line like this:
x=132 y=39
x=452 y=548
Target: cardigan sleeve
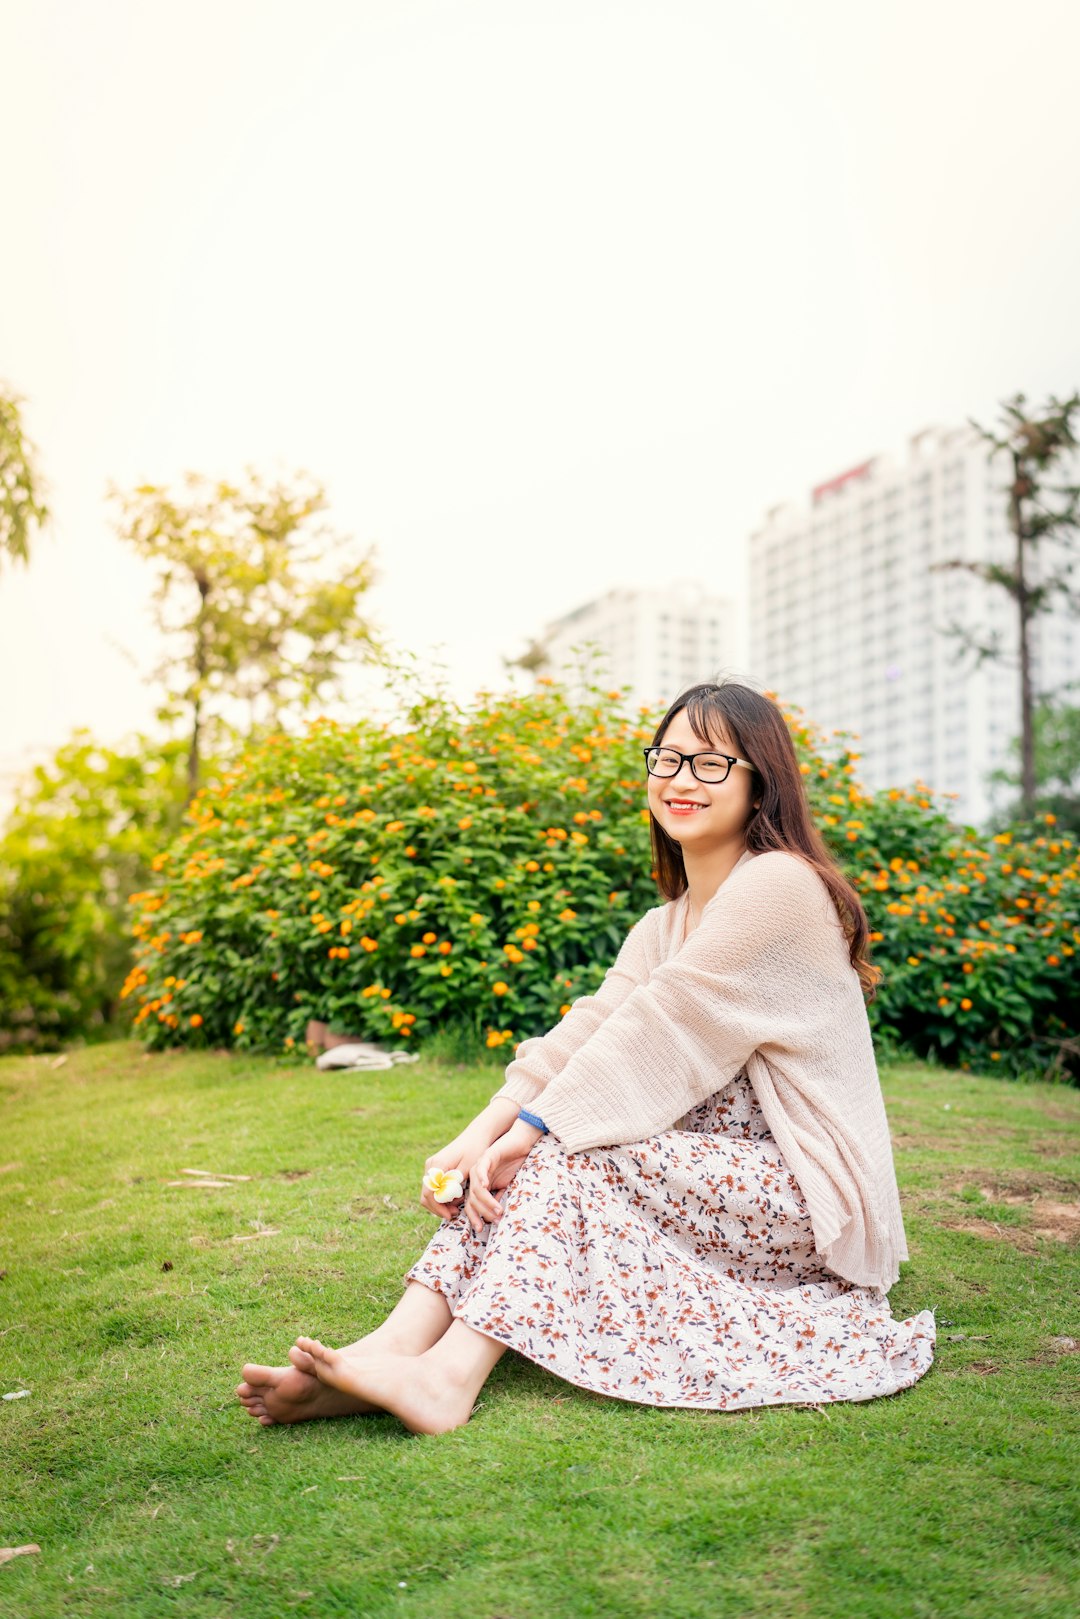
x=538 y=1060
x=736 y=984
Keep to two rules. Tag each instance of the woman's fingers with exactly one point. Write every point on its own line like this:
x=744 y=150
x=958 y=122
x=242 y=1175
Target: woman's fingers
x=445 y=1211
x=485 y=1204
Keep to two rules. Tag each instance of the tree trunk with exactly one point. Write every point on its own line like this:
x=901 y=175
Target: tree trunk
x=194 y=762
x=1027 y=730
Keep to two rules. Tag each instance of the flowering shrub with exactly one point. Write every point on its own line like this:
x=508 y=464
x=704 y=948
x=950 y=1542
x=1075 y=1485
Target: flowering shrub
x=480 y=869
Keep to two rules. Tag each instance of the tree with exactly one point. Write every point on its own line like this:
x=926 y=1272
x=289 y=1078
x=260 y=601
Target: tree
x=1057 y=768
x=80 y=839
x=1034 y=444
x=251 y=594
x=535 y=658
x=22 y=509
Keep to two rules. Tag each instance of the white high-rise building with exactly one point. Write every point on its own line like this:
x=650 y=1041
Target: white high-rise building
x=846 y=618
x=656 y=641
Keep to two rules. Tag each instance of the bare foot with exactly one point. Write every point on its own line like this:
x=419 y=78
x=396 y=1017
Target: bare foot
x=294 y=1394
x=424 y=1399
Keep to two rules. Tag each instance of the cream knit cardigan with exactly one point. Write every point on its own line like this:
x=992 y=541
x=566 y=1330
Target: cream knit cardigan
x=764 y=982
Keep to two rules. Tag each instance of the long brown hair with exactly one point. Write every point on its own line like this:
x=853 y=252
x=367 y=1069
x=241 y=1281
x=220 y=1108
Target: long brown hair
x=782 y=820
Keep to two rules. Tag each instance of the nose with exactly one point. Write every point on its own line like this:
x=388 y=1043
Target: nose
x=684 y=775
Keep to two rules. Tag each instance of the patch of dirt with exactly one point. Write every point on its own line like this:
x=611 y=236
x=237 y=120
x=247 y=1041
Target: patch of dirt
x=1053 y=1147
x=293 y=1174
x=1055 y=1349
x=1052 y=1202
x=370 y=1208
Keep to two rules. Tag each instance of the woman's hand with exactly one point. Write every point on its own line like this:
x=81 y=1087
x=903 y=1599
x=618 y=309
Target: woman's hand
x=462 y=1153
x=495 y=1169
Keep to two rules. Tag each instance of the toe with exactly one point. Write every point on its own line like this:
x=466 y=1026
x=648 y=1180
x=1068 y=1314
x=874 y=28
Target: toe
x=301 y=1360
x=258 y=1376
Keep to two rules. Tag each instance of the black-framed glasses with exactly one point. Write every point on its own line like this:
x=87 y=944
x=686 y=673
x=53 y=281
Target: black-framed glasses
x=708 y=765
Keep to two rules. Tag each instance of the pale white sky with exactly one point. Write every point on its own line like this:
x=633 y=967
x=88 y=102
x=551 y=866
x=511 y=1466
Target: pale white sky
x=551 y=296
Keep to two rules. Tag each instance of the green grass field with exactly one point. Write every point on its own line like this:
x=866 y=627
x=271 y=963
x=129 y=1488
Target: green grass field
x=127 y=1306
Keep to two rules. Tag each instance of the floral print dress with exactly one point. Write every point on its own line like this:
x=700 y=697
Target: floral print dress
x=676 y=1271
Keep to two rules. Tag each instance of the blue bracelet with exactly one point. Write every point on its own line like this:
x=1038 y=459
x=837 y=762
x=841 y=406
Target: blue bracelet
x=530 y=1118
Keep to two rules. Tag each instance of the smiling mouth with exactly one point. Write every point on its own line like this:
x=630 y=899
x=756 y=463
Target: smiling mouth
x=684 y=803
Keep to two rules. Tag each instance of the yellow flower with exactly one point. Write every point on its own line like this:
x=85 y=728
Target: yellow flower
x=238 y=1028
x=533 y=905
x=568 y=915
x=476 y=919
x=445 y=1185
x=500 y=988
x=532 y=865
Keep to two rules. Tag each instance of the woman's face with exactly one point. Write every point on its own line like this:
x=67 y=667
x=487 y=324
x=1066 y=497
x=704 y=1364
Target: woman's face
x=721 y=810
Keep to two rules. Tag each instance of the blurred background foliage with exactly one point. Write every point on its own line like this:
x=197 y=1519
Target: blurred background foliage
x=468 y=873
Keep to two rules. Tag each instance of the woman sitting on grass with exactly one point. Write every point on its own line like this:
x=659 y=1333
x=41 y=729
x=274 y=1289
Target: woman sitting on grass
x=699 y=1205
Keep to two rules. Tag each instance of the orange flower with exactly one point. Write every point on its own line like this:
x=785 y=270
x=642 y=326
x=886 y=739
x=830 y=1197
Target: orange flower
x=445 y=948
x=500 y=988
x=429 y=938
x=238 y=1028
x=965 y=1005
x=568 y=915
x=195 y=1020
x=418 y=950
x=465 y=822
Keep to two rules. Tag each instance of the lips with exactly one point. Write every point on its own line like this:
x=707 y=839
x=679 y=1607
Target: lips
x=683 y=806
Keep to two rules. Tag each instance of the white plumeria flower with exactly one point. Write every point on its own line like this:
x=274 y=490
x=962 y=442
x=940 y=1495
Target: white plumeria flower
x=445 y=1185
